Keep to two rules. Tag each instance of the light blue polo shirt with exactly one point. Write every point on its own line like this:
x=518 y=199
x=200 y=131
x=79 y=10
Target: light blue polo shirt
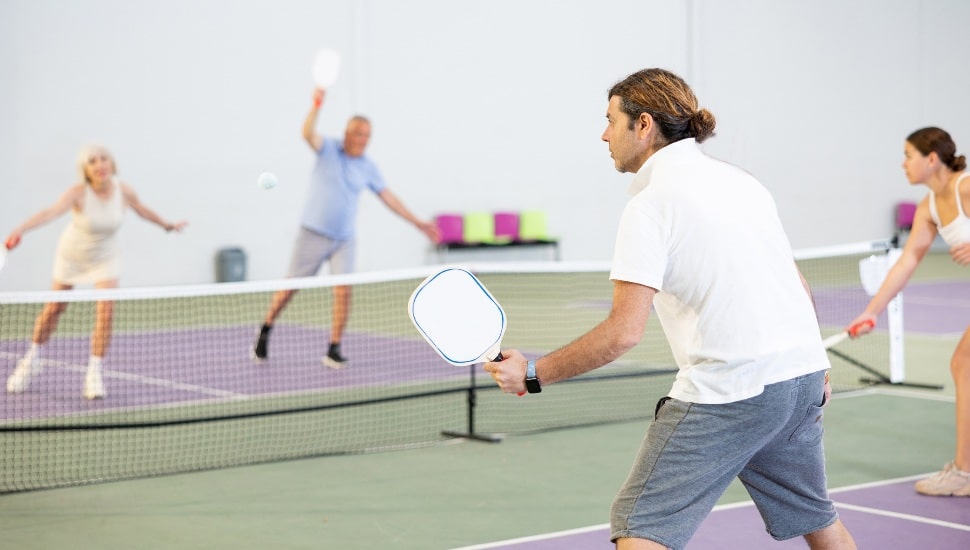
x=335 y=186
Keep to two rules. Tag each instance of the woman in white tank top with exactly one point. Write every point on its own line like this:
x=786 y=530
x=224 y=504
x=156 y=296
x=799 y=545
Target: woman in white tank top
x=86 y=253
x=931 y=160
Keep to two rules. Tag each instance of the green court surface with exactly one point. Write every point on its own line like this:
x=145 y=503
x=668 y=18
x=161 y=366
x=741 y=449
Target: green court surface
x=461 y=492
x=437 y=497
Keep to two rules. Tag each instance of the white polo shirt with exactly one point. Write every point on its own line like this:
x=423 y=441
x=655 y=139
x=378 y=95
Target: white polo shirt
x=707 y=236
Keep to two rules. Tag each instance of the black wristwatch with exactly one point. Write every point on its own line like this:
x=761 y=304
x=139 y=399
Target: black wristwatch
x=532 y=384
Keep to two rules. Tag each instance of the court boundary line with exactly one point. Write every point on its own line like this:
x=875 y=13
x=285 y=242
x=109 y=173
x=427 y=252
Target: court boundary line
x=222 y=396
x=534 y=538
x=915 y=394
x=906 y=517
x=734 y=505
x=209 y=395
x=147 y=380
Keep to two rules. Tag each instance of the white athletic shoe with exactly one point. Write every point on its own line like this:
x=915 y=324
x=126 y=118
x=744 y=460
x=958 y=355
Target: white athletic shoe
x=93 y=384
x=20 y=379
x=950 y=481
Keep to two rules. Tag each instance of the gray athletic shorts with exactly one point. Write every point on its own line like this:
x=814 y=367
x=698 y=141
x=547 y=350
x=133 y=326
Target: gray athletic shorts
x=312 y=249
x=692 y=452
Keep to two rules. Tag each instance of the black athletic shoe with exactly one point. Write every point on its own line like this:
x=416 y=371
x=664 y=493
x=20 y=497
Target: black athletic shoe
x=333 y=359
x=261 y=348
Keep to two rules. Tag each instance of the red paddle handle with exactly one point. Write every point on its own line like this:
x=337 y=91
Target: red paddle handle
x=854 y=329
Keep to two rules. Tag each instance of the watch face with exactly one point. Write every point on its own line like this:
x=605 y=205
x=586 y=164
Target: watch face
x=532 y=385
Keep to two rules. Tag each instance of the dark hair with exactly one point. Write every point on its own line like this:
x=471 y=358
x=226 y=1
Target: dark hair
x=934 y=140
x=669 y=100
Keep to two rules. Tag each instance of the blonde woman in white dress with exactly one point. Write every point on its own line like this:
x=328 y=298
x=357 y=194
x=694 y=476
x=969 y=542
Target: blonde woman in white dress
x=87 y=253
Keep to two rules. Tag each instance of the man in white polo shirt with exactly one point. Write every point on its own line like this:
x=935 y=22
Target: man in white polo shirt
x=702 y=243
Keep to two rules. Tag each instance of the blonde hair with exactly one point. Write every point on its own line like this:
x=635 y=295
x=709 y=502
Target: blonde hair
x=89 y=151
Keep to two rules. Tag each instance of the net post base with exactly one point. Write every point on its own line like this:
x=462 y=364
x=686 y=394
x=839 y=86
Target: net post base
x=486 y=438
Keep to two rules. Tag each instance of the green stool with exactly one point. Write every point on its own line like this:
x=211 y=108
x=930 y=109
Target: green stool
x=532 y=226
x=479 y=227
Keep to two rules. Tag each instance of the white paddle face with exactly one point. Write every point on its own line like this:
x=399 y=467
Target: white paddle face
x=456 y=314
x=872 y=272
x=3 y=257
x=326 y=68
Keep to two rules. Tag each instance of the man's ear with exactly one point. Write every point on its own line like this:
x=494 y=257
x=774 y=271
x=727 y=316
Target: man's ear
x=645 y=125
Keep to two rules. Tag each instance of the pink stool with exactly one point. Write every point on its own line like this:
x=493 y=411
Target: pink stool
x=904 y=215
x=507 y=226
x=451 y=227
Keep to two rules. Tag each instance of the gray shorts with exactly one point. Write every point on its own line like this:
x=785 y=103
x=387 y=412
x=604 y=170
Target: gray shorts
x=692 y=452
x=313 y=249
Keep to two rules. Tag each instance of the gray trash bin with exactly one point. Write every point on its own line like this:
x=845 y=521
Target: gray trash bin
x=230 y=265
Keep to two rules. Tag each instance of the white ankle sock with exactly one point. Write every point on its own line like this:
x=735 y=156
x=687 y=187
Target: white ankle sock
x=33 y=353
x=94 y=363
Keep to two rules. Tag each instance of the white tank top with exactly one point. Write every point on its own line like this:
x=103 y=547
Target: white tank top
x=957 y=231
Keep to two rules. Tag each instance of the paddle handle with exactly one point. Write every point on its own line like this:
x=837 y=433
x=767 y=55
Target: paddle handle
x=501 y=357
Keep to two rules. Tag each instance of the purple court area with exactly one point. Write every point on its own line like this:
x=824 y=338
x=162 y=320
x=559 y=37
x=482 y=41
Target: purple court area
x=890 y=515
x=938 y=308
x=173 y=368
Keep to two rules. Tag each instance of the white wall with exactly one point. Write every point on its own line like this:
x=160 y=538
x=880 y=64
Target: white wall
x=495 y=104
x=816 y=99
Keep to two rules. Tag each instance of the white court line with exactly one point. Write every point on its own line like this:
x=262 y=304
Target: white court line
x=744 y=504
x=907 y=517
x=914 y=394
x=880 y=483
x=143 y=379
x=217 y=396
x=894 y=392
x=535 y=538
x=147 y=380
x=877 y=390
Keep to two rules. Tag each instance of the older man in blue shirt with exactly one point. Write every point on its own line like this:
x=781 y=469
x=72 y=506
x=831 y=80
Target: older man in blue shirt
x=341 y=173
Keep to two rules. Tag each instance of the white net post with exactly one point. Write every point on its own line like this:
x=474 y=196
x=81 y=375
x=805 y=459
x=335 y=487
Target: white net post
x=894 y=312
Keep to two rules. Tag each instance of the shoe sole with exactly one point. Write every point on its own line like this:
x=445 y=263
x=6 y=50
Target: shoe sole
x=336 y=365
x=26 y=375
x=88 y=394
x=945 y=495
x=941 y=493
x=21 y=387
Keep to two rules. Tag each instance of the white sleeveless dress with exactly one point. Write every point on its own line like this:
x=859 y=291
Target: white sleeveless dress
x=88 y=250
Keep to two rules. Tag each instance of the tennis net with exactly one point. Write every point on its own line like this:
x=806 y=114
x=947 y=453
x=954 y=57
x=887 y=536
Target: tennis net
x=183 y=394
